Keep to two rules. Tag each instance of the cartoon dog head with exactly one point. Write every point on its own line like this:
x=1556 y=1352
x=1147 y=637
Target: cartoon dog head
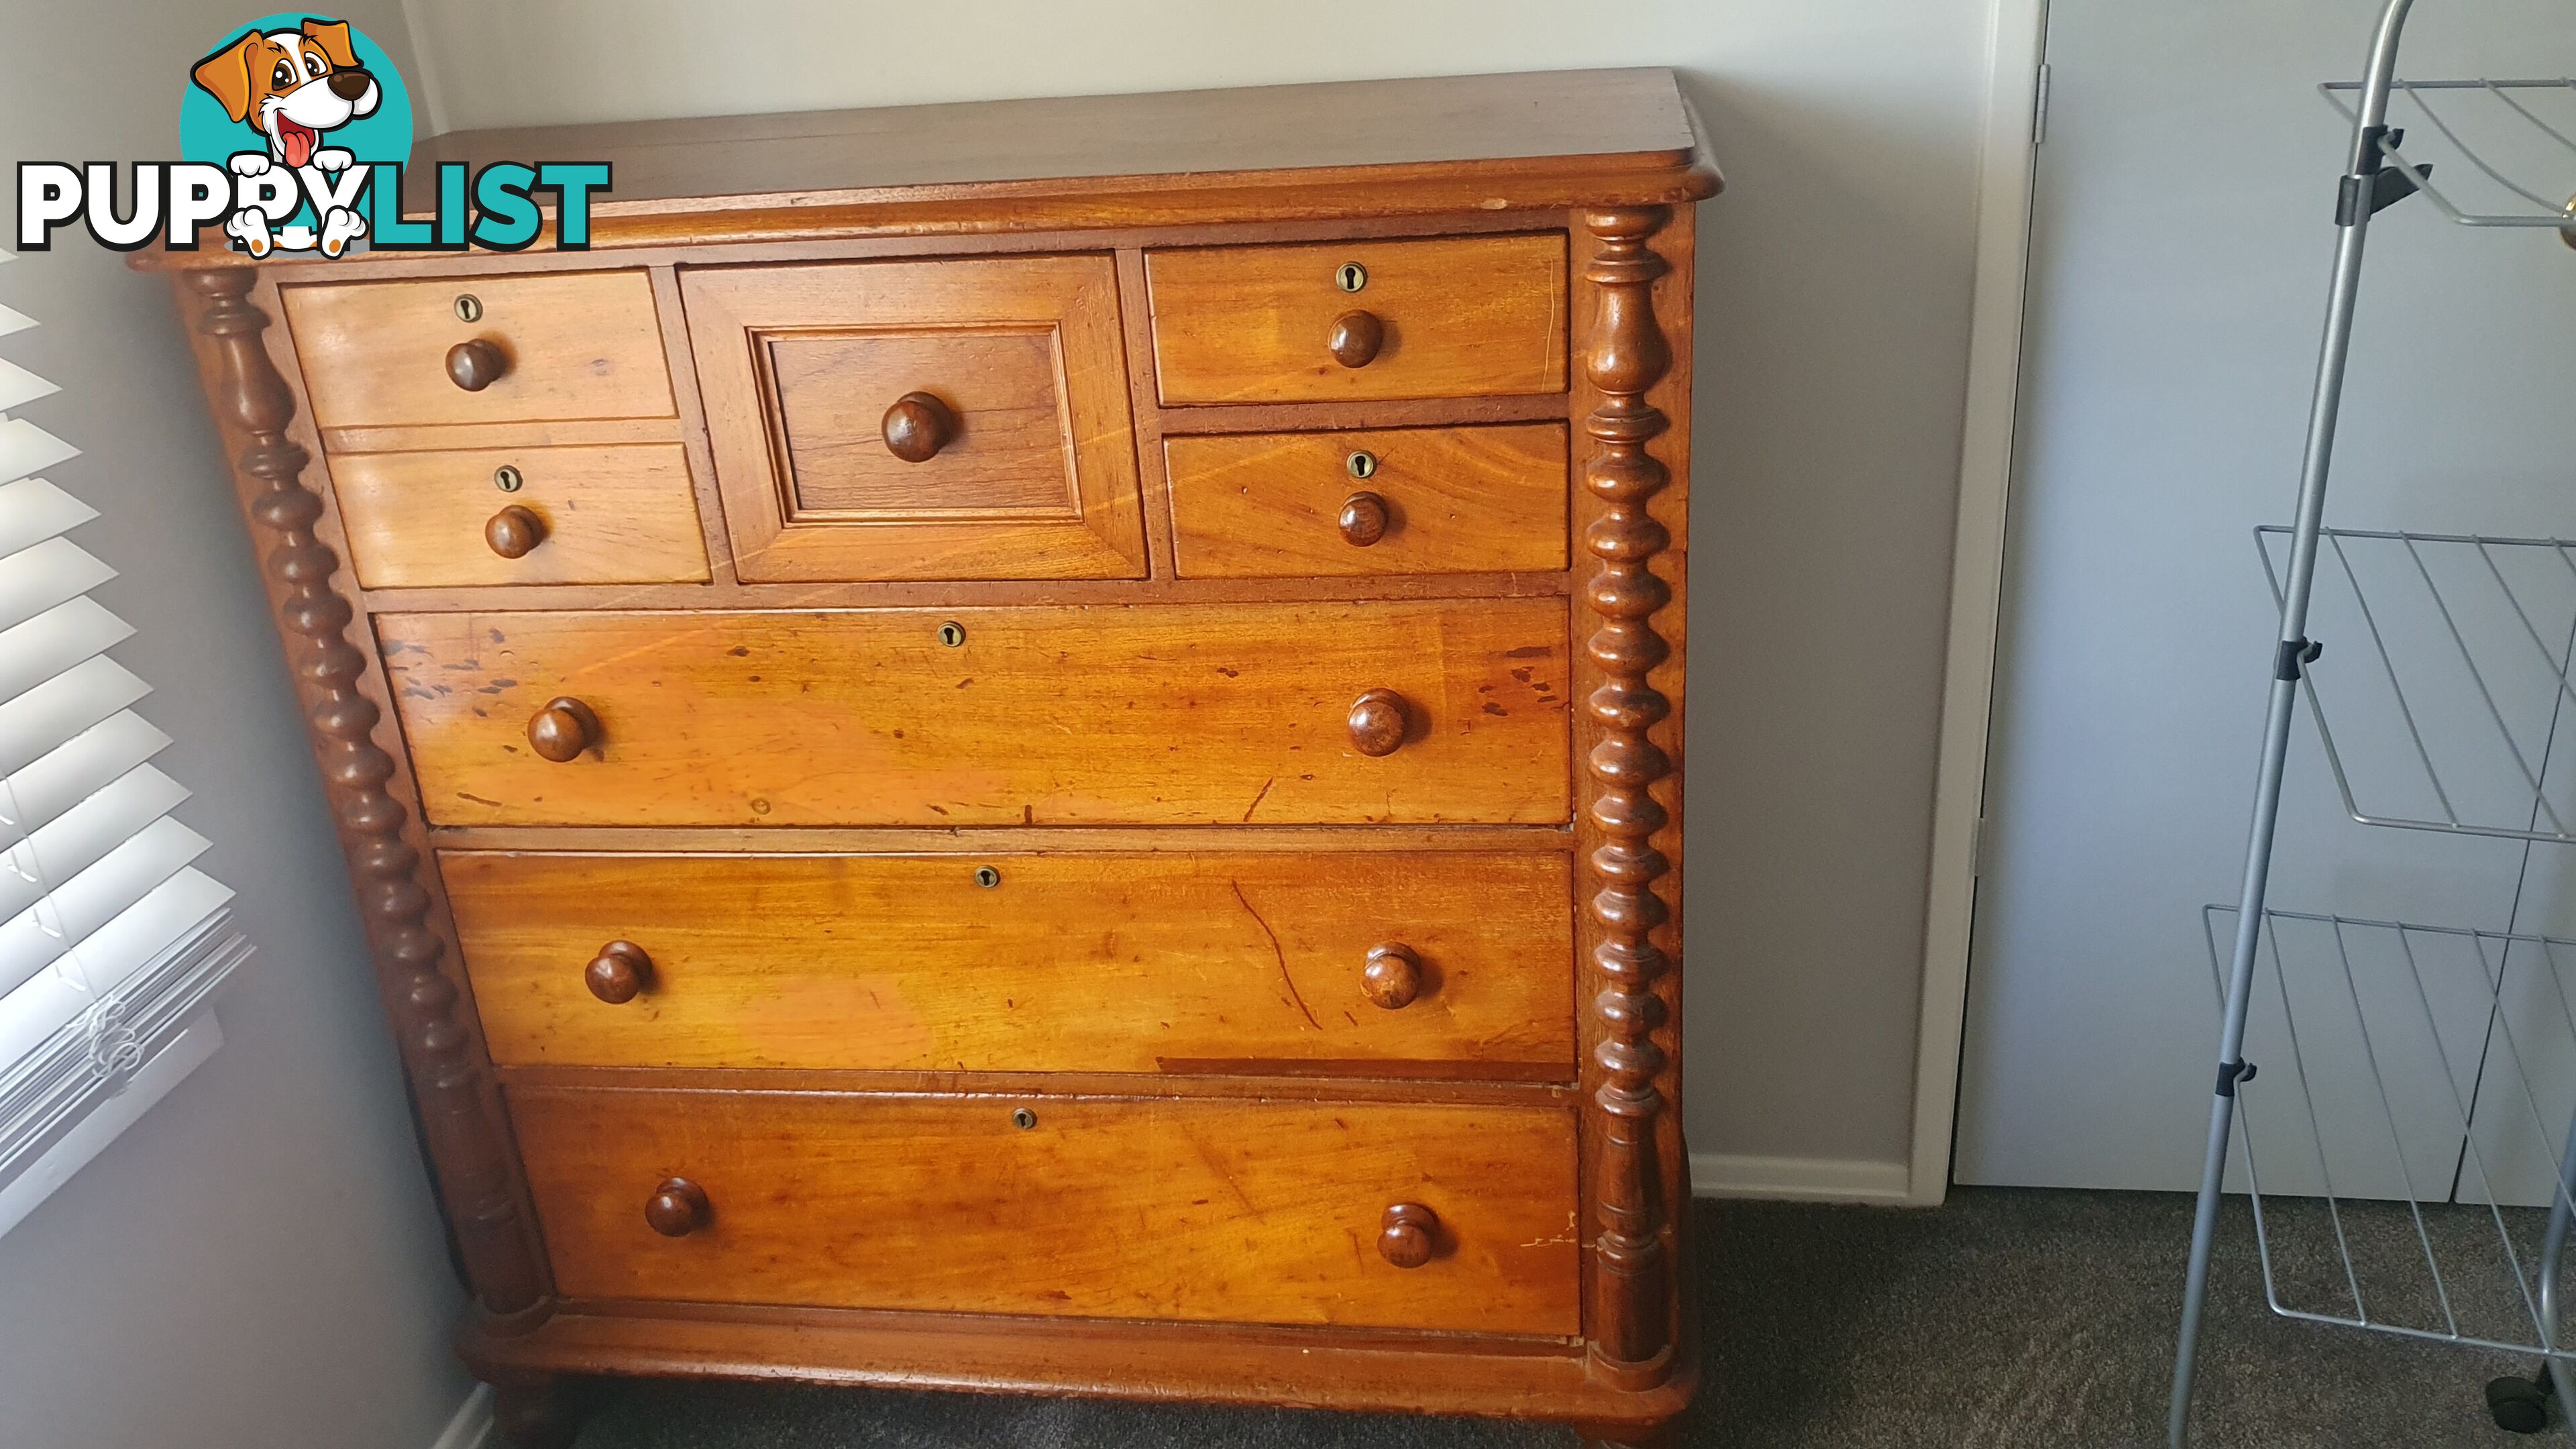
x=291 y=85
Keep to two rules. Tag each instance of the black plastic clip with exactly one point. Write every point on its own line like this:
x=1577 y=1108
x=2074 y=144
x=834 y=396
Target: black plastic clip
x=2230 y=1073
x=2295 y=656
x=2379 y=186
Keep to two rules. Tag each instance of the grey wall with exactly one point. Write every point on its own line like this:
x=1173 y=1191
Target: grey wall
x=2183 y=231
x=256 y=1263
x=1834 y=285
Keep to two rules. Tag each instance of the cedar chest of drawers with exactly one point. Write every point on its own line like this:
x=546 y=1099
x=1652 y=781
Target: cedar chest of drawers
x=1031 y=746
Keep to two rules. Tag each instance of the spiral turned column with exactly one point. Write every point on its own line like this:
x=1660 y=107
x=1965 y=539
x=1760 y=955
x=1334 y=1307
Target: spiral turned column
x=1632 y=1279
x=459 y=1113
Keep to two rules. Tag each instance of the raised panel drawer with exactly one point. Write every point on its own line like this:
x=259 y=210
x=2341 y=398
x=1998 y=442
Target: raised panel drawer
x=569 y=345
x=1107 y=715
x=614 y=514
x=1451 y=317
x=1434 y=964
x=1199 y=1209
x=1351 y=504
x=961 y=419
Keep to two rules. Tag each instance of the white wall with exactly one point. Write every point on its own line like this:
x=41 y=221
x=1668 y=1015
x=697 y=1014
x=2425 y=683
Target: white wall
x=2182 y=235
x=256 y=1264
x=1834 y=282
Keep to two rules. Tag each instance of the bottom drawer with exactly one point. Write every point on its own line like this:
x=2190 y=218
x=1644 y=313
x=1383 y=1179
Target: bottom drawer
x=1202 y=1208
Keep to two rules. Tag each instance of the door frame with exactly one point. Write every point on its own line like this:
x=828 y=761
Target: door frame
x=2016 y=42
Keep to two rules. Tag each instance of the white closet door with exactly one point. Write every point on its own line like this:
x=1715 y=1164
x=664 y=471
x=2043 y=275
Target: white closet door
x=2182 y=234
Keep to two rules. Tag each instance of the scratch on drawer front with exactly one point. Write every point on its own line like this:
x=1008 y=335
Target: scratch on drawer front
x=1289 y=981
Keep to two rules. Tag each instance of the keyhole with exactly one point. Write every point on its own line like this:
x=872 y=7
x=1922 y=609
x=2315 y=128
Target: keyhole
x=1023 y=1118
x=1351 y=277
x=1361 y=464
x=952 y=634
x=507 y=478
x=987 y=877
x=469 y=308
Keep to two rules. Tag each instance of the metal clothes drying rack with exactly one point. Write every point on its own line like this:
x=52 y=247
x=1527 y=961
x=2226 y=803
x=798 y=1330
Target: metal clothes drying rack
x=2461 y=588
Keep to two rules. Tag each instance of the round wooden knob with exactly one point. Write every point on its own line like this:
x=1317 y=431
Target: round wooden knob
x=1407 y=1234
x=1393 y=976
x=1363 y=519
x=1356 y=338
x=476 y=364
x=918 y=426
x=620 y=971
x=679 y=1207
x=563 y=729
x=514 y=532
x=1378 y=722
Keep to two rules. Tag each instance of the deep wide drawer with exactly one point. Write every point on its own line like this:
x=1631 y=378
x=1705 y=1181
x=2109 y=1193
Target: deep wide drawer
x=1381 y=501
x=1202 y=1209
x=1446 y=317
x=614 y=514
x=1116 y=714
x=544 y=348
x=1414 y=964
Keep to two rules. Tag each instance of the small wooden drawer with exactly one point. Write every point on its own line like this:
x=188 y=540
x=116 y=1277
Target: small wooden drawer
x=920 y=420
x=1446 y=965
x=1159 y=714
x=1452 y=317
x=617 y=514
x=1401 y=501
x=537 y=348
x=1201 y=1209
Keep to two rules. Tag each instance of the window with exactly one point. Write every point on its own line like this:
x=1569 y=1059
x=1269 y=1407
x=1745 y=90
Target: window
x=111 y=944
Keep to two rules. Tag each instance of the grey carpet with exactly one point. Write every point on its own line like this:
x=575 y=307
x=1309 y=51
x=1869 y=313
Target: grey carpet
x=2017 y=1318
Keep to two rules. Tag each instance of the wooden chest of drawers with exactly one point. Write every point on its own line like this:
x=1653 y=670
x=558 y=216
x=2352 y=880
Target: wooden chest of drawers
x=1030 y=746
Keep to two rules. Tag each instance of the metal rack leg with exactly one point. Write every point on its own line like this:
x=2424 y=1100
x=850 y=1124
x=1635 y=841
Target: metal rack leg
x=2552 y=1248
x=2292 y=655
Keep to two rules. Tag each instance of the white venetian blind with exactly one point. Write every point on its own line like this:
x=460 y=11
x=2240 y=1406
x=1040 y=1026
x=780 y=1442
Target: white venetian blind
x=110 y=942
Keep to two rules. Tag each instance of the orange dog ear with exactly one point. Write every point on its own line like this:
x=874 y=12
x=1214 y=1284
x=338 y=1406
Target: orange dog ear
x=226 y=74
x=333 y=37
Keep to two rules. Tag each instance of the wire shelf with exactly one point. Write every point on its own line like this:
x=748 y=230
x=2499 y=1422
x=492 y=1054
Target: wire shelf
x=2397 y=1142
x=2505 y=129
x=2449 y=677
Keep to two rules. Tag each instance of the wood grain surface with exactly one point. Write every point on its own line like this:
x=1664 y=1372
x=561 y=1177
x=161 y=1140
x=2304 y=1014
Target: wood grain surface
x=1140 y=715
x=610 y=515
x=1461 y=316
x=1193 y=1209
x=578 y=345
x=1166 y=963
x=1457 y=500
x=799 y=366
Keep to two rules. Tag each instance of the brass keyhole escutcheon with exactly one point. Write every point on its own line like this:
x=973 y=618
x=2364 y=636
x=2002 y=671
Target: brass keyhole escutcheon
x=952 y=634
x=1023 y=1118
x=1351 y=277
x=508 y=478
x=1361 y=464
x=987 y=877
x=469 y=308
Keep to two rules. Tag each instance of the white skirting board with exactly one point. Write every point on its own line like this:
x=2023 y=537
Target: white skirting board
x=472 y=1426
x=1800 y=1179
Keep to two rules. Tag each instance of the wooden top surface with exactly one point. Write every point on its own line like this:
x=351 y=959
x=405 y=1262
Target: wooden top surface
x=1619 y=119
x=1540 y=140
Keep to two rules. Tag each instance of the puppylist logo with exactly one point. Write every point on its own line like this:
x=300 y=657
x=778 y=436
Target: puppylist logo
x=293 y=134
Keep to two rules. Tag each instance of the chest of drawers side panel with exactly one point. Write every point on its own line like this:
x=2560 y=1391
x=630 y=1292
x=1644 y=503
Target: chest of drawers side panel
x=1632 y=314
x=248 y=367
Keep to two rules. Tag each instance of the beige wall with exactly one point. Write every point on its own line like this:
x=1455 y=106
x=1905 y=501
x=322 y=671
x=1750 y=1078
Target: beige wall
x=257 y=1263
x=1835 y=277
